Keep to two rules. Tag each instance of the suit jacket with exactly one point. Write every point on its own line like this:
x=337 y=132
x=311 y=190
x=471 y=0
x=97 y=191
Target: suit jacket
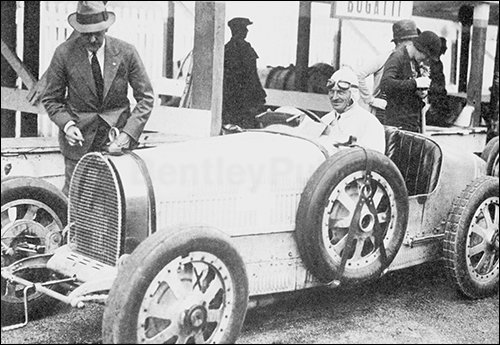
x=70 y=93
x=404 y=106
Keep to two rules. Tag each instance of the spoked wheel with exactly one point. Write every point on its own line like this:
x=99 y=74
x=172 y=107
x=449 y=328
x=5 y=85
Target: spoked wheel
x=186 y=288
x=492 y=163
x=33 y=217
x=471 y=240
x=350 y=221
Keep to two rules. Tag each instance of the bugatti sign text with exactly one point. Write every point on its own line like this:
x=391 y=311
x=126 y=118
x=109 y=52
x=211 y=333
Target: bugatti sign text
x=372 y=10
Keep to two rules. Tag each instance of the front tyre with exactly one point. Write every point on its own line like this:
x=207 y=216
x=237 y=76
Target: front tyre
x=471 y=240
x=34 y=214
x=187 y=287
x=352 y=217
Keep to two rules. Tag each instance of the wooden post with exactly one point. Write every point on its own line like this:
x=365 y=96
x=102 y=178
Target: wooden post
x=31 y=59
x=9 y=76
x=303 y=41
x=168 y=68
x=208 y=60
x=474 y=88
x=465 y=15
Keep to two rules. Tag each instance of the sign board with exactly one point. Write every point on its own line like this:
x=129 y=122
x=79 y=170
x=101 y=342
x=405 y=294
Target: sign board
x=387 y=11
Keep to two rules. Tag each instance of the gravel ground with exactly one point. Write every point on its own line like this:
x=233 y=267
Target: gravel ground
x=411 y=306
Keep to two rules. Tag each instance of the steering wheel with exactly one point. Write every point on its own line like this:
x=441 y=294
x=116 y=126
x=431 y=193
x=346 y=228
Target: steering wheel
x=307 y=112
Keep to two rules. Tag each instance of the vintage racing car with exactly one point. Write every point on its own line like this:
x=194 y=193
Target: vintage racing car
x=181 y=239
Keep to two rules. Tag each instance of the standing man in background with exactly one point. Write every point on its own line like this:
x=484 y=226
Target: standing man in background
x=403 y=32
x=87 y=87
x=404 y=84
x=243 y=96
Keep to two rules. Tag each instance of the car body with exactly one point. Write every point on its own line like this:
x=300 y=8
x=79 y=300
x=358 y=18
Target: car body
x=182 y=238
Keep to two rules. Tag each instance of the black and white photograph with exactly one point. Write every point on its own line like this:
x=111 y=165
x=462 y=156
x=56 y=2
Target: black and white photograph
x=250 y=172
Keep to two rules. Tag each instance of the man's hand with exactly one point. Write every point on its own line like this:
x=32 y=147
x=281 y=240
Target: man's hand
x=121 y=142
x=74 y=136
x=379 y=103
x=423 y=82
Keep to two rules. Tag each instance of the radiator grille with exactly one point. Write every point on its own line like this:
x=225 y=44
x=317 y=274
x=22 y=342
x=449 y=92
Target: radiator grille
x=95 y=207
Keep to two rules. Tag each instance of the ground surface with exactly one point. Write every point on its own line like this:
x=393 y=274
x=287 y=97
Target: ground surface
x=412 y=306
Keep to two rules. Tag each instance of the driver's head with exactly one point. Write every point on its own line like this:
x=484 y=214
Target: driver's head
x=343 y=89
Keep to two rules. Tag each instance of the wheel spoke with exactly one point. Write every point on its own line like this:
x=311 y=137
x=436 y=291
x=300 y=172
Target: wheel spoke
x=358 y=249
x=347 y=202
x=214 y=287
x=484 y=260
x=52 y=227
x=172 y=331
x=340 y=244
x=176 y=285
x=31 y=212
x=5 y=219
x=342 y=223
x=377 y=197
x=199 y=338
x=478 y=248
x=479 y=231
x=215 y=315
x=487 y=218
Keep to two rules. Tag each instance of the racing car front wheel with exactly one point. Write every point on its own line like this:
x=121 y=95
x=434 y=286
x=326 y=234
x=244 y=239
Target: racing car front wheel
x=352 y=217
x=471 y=239
x=189 y=286
x=34 y=214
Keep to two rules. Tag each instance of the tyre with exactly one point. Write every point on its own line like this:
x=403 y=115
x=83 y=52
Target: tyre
x=492 y=161
x=34 y=214
x=471 y=240
x=487 y=149
x=350 y=226
x=187 y=287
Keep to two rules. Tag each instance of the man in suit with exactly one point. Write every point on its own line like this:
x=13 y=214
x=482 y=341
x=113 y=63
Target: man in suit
x=87 y=86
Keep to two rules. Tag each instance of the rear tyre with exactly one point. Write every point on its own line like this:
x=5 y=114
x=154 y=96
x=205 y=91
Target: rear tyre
x=471 y=240
x=492 y=161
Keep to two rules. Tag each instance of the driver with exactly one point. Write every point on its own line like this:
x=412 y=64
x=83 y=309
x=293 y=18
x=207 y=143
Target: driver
x=348 y=121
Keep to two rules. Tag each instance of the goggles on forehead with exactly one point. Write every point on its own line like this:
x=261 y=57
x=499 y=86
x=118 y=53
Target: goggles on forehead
x=341 y=84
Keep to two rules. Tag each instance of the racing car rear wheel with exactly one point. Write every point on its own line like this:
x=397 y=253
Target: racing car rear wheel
x=488 y=148
x=34 y=214
x=471 y=240
x=188 y=287
x=350 y=224
x=492 y=161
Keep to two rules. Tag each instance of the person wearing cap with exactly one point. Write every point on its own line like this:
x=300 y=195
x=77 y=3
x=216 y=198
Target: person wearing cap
x=403 y=32
x=243 y=94
x=87 y=87
x=403 y=83
x=348 y=121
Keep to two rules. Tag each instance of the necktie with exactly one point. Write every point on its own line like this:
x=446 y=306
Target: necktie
x=96 y=71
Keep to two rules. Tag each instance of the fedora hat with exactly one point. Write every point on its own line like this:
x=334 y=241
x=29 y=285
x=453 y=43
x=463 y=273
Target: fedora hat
x=91 y=16
x=403 y=30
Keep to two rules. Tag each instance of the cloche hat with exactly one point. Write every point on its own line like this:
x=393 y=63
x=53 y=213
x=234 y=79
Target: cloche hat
x=91 y=16
x=429 y=43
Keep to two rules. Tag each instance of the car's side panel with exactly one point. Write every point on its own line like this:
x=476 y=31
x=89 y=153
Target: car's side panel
x=225 y=183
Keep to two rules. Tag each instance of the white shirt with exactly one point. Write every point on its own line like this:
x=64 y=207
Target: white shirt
x=358 y=122
x=373 y=67
x=100 y=56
